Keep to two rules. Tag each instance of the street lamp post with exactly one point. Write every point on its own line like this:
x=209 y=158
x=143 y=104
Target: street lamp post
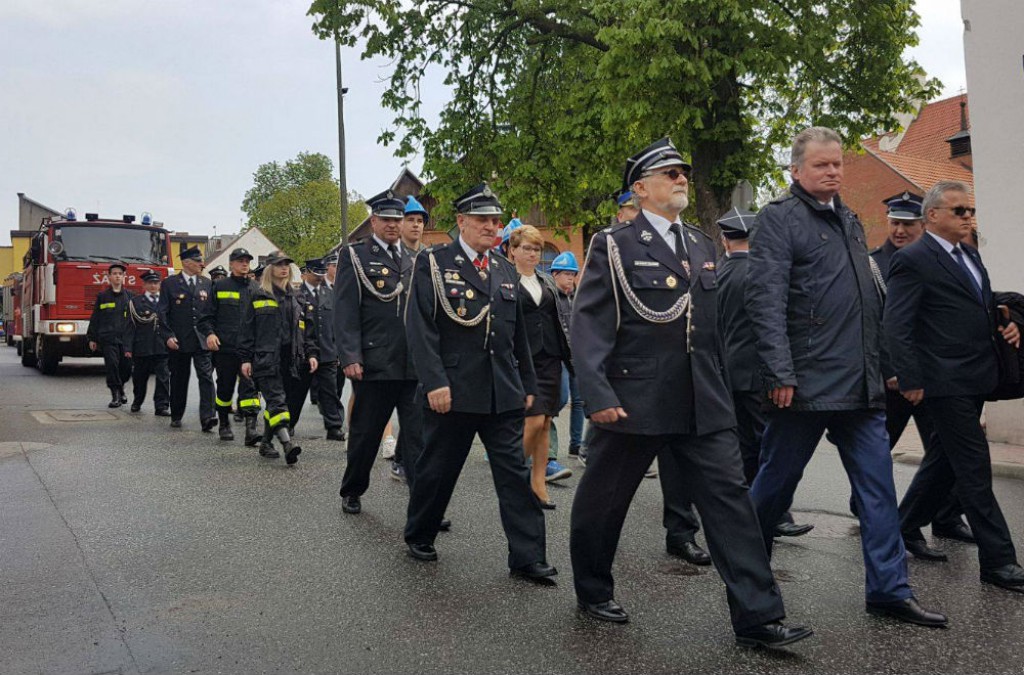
x=342 y=179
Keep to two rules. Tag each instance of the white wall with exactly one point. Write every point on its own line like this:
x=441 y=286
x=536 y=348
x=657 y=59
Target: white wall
x=994 y=51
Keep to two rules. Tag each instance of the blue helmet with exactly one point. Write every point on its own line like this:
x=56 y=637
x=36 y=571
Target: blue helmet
x=513 y=224
x=413 y=206
x=565 y=262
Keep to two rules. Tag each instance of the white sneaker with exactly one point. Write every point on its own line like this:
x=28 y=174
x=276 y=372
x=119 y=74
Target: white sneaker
x=387 y=447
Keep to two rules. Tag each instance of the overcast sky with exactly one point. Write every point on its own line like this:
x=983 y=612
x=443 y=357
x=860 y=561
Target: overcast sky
x=125 y=106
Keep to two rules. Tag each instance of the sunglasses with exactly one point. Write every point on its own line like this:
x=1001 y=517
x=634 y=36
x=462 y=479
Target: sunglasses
x=673 y=174
x=960 y=211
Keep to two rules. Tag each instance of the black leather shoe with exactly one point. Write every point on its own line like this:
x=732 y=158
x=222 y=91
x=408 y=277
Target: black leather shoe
x=689 y=552
x=351 y=504
x=1010 y=577
x=209 y=424
x=335 y=435
x=445 y=525
x=175 y=424
x=548 y=505
x=122 y=396
x=772 y=635
x=960 y=532
x=136 y=407
x=908 y=610
x=920 y=549
x=609 y=610
x=424 y=552
x=538 y=571
x=162 y=412
x=792 y=529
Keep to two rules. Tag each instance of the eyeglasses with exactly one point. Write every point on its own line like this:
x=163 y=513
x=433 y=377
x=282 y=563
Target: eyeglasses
x=960 y=211
x=673 y=174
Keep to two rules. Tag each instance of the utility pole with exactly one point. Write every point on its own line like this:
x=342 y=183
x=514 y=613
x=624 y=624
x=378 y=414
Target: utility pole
x=342 y=179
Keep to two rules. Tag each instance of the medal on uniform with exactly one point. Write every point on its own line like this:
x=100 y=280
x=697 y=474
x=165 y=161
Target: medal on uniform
x=447 y=276
x=454 y=292
x=461 y=311
x=455 y=276
x=385 y=271
x=202 y=295
x=470 y=294
x=380 y=283
x=646 y=236
x=671 y=281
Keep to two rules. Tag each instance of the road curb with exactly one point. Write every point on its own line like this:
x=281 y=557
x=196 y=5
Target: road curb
x=1000 y=469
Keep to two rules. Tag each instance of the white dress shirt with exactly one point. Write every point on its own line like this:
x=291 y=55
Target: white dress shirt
x=661 y=226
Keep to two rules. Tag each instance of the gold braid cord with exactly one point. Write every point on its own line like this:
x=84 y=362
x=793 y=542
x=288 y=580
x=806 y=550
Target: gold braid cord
x=364 y=281
x=435 y=275
x=876 y=274
x=683 y=305
x=137 y=318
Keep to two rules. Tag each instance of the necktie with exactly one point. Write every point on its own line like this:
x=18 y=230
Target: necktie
x=393 y=250
x=677 y=232
x=481 y=263
x=959 y=255
x=191 y=283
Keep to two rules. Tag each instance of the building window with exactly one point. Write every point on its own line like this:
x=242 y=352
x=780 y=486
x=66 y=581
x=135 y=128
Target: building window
x=547 y=256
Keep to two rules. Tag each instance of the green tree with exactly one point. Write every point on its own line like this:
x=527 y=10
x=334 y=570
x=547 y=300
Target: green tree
x=297 y=205
x=551 y=96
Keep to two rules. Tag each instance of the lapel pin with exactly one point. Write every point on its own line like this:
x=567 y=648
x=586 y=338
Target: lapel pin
x=692 y=238
x=646 y=236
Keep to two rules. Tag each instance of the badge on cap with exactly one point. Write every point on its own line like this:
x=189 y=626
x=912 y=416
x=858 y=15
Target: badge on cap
x=487 y=191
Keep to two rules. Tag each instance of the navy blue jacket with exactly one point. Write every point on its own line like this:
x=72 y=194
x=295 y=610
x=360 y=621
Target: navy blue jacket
x=738 y=344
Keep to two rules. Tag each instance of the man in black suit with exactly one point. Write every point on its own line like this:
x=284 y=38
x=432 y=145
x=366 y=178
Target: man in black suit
x=650 y=369
x=940 y=320
x=468 y=341
x=369 y=312
x=186 y=321
x=147 y=349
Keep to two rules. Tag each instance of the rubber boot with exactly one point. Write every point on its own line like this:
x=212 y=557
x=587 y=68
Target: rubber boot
x=267 y=443
x=252 y=434
x=291 y=450
x=115 y=398
x=120 y=391
x=225 y=425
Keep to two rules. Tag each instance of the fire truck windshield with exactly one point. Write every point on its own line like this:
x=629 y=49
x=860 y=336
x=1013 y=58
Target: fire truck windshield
x=96 y=242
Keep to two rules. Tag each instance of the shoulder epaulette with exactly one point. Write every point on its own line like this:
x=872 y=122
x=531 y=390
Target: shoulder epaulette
x=611 y=229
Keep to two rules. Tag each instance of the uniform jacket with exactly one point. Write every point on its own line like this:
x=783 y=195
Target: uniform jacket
x=319 y=309
x=546 y=326
x=370 y=331
x=883 y=256
x=109 y=318
x=264 y=323
x=624 y=360
x=184 y=314
x=813 y=304
x=142 y=338
x=941 y=338
x=487 y=366
x=738 y=345
x=229 y=297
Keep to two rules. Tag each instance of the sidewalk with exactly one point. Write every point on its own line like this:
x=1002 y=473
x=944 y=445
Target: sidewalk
x=1007 y=460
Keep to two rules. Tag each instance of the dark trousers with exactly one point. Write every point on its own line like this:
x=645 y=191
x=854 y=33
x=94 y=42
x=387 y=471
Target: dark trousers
x=898 y=412
x=374 y=403
x=959 y=456
x=118 y=366
x=228 y=367
x=180 y=364
x=144 y=366
x=678 y=515
x=789 y=441
x=341 y=390
x=271 y=385
x=325 y=381
x=751 y=420
x=448 y=439
x=710 y=473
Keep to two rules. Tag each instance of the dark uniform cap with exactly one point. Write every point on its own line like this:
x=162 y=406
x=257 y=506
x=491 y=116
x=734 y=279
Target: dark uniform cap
x=736 y=223
x=218 y=271
x=387 y=205
x=117 y=265
x=655 y=156
x=192 y=253
x=331 y=259
x=316 y=266
x=276 y=257
x=906 y=206
x=238 y=254
x=150 y=276
x=622 y=197
x=479 y=201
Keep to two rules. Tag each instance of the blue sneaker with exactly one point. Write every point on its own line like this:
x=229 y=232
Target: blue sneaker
x=556 y=471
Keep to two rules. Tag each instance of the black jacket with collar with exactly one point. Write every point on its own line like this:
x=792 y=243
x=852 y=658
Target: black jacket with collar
x=487 y=366
x=186 y=314
x=264 y=325
x=319 y=308
x=142 y=336
x=229 y=297
x=738 y=344
x=109 y=318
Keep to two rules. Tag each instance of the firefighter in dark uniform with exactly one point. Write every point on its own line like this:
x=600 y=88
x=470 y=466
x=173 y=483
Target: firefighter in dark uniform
x=906 y=225
x=739 y=350
x=186 y=319
x=331 y=265
x=148 y=350
x=370 y=301
x=217 y=273
x=274 y=338
x=318 y=304
x=649 y=365
x=107 y=327
x=468 y=341
x=230 y=294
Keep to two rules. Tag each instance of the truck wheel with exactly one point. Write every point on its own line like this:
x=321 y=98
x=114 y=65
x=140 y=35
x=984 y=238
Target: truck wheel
x=46 y=357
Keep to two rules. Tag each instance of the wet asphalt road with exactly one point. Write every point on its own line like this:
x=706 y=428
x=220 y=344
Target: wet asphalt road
x=126 y=546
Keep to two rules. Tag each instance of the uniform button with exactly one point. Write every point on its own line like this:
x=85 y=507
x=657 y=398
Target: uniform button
x=625 y=371
x=492 y=352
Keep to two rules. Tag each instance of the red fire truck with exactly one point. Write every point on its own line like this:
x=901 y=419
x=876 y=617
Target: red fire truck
x=66 y=267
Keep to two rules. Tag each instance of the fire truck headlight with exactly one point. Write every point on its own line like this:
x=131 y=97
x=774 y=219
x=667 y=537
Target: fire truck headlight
x=65 y=328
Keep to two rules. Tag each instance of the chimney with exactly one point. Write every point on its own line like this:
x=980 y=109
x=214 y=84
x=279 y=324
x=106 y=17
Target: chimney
x=960 y=142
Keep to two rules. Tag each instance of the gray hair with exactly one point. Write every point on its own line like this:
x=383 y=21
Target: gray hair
x=937 y=195
x=811 y=135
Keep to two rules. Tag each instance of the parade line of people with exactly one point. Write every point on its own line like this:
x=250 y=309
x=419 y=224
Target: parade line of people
x=728 y=370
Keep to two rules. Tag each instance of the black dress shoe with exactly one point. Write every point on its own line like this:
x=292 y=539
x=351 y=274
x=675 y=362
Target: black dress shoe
x=136 y=407
x=959 y=531
x=538 y=571
x=609 y=610
x=772 y=635
x=351 y=504
x=908 y=610
x=548 y=505
x=445 y=525
x=922 y=551
x=792 y=529
x=424 y=552
x=162 y=412
x=1010 y=577
x=335 y=434
x=175 y=424
x=689 y=552
x=208 y=424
